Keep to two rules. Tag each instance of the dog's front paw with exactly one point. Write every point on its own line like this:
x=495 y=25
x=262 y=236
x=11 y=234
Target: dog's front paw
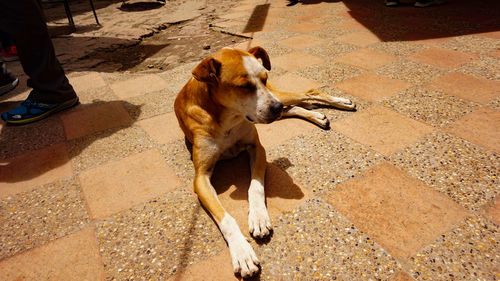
x=259 y=223
x=244 y=259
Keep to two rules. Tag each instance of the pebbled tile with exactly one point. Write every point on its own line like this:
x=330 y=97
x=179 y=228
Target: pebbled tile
x=157 y=239
x=41 y=215
x=455 y=167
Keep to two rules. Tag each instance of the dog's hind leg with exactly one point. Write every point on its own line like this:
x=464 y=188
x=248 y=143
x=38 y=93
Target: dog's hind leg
x=316 y=117
x=312 y=95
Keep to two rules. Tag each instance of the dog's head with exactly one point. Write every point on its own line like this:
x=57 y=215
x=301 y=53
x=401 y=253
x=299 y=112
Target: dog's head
x=237 y=81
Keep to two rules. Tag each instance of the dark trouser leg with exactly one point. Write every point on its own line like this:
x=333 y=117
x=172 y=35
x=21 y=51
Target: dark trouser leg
x=24 y=20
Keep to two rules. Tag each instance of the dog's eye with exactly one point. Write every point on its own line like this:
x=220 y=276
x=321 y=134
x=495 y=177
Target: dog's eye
x=264 y=80
x=248 y=86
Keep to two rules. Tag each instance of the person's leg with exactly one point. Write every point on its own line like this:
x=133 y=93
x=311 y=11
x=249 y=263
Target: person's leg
x=52 y=92
x=24 y=20
x=7 y=80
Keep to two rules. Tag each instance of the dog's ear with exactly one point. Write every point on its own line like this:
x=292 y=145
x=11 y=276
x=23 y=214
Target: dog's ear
x=260 y=53
x=207 y=71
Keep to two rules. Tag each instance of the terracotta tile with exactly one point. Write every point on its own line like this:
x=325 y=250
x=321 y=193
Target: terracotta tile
x=372 y=87
x=467 y=87
x=495 y=53
x=492 y=210
x=360 y=38
x=281 y=130
x=296 y=60
x=401 y=276
x=163 y=128
x=294 y=83
x=87 y=81
x=250 y=43
x=309 y=17
x=443 y=58
x=367 y=59
x=481 y=127
x=399 y=212
x=215 y=268
x=73 y=257
x=119 y=185
x=305 y=27
x=139 y=86
x=33 y=169
x=491 y=34
x=353 y=24
x=381 y=129
x=431 y=37
x=302 y=41
x=94 y=118
x=231 y=179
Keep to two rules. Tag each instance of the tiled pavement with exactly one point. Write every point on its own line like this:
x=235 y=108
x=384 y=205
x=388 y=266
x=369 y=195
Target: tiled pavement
x=405 y=188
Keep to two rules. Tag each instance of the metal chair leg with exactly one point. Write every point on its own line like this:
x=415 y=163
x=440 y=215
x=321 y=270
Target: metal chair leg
x=68 y=12
x=93 y=10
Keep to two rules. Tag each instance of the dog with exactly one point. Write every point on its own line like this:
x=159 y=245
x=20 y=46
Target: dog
x=217 y=110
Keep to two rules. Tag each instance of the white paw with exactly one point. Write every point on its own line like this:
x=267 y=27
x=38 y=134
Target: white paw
x=244 y=259
x=320 y=119
x=259 y=223
x=345 y=103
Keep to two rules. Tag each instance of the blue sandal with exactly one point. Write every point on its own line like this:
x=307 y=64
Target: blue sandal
x=30 y=111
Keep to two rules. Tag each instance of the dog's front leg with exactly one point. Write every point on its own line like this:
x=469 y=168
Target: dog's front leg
x=259 y=223
x=242 y=255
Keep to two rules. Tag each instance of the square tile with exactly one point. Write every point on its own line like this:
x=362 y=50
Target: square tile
x=465 y=172
x=372 y=87
x=431 y=107
x=139 y=86
x=119 y=185
x=231 y=179
x=467 y=87
x=36 y=217
x=73 y=257
x=360 y=38
x=467 y=250
x=381 y=129
x=88 y=119
x=399 y=212
x=158 y=238
x=213 y=269
x=412 y=72
x=293 y=83
x=86 y=82
x=323 y=159
x=32 y=169
x=481 y=127
x=295 y=60
x=302 y=41
x=281 y=130
x=305 y=27
x=250 y=44
x=367 y=59
x=163 y=128
x=443 y=58
x=315 y=242
x=329 y=73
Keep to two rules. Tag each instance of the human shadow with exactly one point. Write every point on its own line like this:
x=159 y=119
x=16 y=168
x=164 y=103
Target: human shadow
x=36 y=149
x=140 y=6
x=407 y=23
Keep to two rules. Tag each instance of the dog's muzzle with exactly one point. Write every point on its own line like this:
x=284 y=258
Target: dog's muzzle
x=275 y=111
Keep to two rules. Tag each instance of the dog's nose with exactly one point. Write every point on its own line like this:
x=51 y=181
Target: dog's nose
x=276 y=108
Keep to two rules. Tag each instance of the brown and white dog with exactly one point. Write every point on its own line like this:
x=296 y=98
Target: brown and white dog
x=217 y=109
